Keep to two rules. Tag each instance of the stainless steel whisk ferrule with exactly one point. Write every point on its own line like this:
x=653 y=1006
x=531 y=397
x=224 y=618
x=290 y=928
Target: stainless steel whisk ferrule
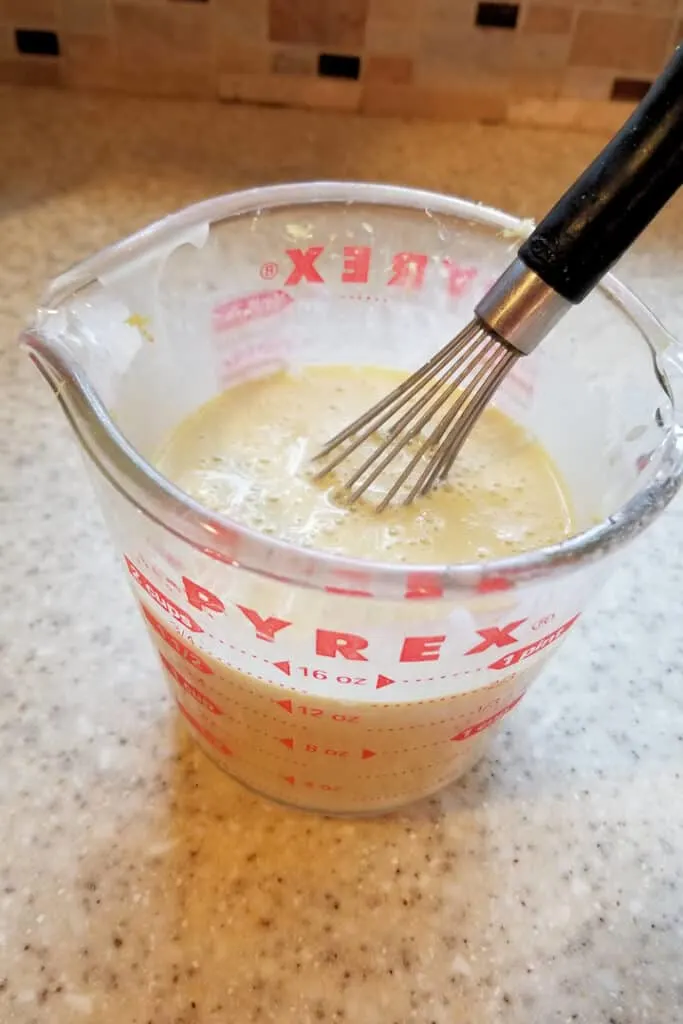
x=426 y=420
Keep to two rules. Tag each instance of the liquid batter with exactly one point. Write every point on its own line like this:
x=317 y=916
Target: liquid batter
x=247 y=455
x=338 y=744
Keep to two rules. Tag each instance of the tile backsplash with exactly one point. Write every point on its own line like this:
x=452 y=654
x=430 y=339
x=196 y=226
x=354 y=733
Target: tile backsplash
x=538 y=61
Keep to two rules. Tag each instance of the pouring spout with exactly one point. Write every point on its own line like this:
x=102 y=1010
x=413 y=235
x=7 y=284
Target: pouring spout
x=45 y=357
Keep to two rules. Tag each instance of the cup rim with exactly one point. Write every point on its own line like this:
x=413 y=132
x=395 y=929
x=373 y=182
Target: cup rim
x=227 y=540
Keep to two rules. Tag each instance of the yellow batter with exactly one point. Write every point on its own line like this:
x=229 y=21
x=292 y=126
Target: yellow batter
x=247 y=454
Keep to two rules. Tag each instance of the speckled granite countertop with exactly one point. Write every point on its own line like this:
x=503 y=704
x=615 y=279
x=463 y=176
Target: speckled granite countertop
x=139 y=885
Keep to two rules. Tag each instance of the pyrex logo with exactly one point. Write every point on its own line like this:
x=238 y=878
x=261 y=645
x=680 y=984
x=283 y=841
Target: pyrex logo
x=406 y=269
x=327 y=642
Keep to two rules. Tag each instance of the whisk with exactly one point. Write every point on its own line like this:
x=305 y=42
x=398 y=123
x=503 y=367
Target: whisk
x=427 y=419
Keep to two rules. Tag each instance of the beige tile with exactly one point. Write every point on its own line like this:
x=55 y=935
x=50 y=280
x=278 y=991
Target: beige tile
x=394 y=10
x=391 y=36
x=161 y=77
x=433 y=103
x=447 y=12
x=627 y=42
x=545 y=18
x=142 y=31
x=333 y=23
x=294 y=60
x=577 y=115
x=632 y=6
x=540 y=84
x=29 y=13
x=451 y=80
x=241 y=20
x=587 y=83
x=448 y=37
x=238 y=58
x=31 y=71
x=487 y=51
x=91 y=16
x=89 y=62
x=379 y=67
x=345 y=23
x=541 y=52
x=291 y=90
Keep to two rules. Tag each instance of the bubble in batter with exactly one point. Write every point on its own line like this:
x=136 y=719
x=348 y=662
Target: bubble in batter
x=247 y=455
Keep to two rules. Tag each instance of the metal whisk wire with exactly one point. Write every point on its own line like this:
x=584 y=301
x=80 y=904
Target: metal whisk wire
x=557 y=266
x=467 y=370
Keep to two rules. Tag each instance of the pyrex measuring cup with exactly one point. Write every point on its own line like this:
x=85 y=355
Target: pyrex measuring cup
x=320 y=681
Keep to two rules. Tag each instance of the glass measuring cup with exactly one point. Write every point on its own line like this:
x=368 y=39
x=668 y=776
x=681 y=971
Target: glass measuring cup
x=320 y=681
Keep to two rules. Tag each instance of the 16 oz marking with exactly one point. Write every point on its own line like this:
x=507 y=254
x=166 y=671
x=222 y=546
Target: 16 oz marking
x=318 y=673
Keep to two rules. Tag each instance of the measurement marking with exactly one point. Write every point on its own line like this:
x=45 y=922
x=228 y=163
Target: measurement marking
x=292 y=780
x=486 y=723
x=415 y=770
x=448 y=675
x=317 y=748
x=189 y=688
x=305 y=709
x=191 y=656
x=205 y=733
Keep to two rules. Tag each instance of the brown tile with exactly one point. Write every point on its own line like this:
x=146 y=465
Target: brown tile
x=433 y=103
x=31 y=71
x=7 y=47
x=29 y=13
x=387 y=68
x=241 y=58
x=89 y=61
x=540 y=18
x=142 y=31
x=91 y=16
x=335 y=23
x=294 y=60
x=627 y=42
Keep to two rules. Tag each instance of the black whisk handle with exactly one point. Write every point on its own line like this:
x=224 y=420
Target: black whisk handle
x=617 y=196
